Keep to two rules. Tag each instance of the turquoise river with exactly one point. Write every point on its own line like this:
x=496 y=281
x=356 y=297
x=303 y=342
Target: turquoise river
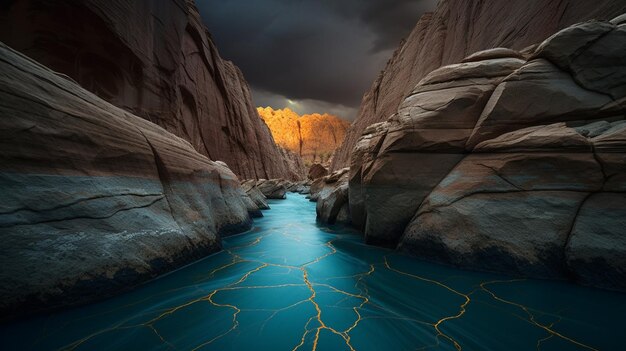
x=291 y=284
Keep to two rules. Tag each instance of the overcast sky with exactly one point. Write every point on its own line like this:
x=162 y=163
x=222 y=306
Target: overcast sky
x=310 y=55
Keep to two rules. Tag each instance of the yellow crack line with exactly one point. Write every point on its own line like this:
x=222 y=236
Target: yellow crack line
x=170 y=311
x=365 y=301
x=318 y=310
x=235 y=260
x=245 y=276
x=530 y=315
x=318 y=316
x=161 y=337
x=275 y=312
x=233 y=327
x=209 y=298
x=332 y=252
x=65 y=324
x=306 y=332
x=253 y=243
x=438 y=323
x=547 y=337
x=79 y=342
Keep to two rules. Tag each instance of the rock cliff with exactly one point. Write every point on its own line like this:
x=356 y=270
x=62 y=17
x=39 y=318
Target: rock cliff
x=156 y=60
x=314 y=137
x=456 y=29
x=96 y=200
x=508 y=161
x=331 y=194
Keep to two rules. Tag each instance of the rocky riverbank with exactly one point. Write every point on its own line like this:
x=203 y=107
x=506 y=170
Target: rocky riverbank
x=95 y=199
x=510 y=161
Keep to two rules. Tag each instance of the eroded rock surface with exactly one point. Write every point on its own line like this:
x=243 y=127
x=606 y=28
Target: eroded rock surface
x=507 y=162
x=273 y=188
x=253 y=198
x=155 y=59
x=331 y=194
x=294 y=164
x=317 y=171
x=458 y=29
x=301 y=187
x=255 y=194
x=96 y=200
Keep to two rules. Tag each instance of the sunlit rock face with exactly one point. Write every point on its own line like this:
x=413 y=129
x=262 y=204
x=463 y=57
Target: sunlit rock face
x=508 y=161
x=455 y=30
x=314 y=137
x=96 y=200
x=155 y=59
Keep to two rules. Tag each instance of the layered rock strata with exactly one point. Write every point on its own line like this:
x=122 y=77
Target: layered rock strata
x=507 y=162
x=155 y=59
x=270 y=188
x=455 y=30
x=258 y=201
x=95 y=199
x=331 y=194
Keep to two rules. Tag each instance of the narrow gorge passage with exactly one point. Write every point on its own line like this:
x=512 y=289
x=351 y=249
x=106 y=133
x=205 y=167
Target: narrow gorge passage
x=291 y=284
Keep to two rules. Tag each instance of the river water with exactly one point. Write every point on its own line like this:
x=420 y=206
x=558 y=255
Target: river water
x=290 y=284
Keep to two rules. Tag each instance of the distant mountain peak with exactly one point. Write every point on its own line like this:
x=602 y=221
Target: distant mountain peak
x=315 y=137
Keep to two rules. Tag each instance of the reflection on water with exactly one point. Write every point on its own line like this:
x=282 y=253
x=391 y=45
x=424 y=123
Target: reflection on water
x=292 y=285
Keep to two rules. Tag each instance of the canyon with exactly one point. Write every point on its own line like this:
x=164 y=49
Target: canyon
x=165 y=68
x=124 y=139
x=314 y=137
x=455 y=30
x=95 y=199
x=508 y=161
x=492 y=145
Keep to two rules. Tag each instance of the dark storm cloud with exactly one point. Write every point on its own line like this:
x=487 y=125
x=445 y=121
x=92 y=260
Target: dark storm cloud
x=322 y=52
x=389 y=20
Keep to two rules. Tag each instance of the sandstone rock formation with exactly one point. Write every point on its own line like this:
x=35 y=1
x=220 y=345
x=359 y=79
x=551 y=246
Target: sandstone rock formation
x=314 y=137
x=262 y=189
x=96 y=200
x=507 y=162
x=459 y=28
x=260 y=200
x=331 y=195
x=317 y=171
x=272 y=188
x=154 y=59
x=294 y=164
x=254 y=199
x=302 y=187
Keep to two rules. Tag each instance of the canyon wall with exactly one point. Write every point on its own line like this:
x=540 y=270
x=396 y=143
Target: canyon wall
x=96 y=200
x=508 y=161
x=156 y=60
x=314 y=137
x=456 y=29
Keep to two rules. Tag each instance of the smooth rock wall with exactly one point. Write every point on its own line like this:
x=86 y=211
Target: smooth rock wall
x=96 y=200
x=155 y=59
x=456 y=30
x=507 y=162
